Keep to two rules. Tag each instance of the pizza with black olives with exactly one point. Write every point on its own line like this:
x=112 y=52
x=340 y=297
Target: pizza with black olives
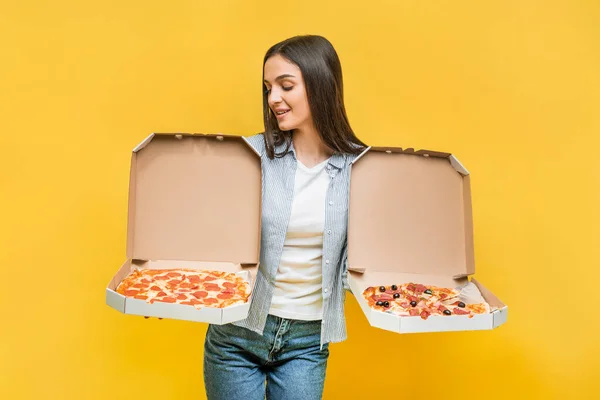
x=417 y=300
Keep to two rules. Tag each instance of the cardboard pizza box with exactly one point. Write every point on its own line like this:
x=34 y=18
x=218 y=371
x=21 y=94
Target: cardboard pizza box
x=410 y=220
x=194 y=202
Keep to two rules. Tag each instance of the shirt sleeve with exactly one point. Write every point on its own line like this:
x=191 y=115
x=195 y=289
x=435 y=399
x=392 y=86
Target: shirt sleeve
x=257 y=142
x=345 y=270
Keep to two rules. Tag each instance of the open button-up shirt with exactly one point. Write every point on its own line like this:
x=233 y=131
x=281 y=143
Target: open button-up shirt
x=278 y=177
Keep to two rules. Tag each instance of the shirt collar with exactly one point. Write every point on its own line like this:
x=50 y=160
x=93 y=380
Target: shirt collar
x=337 y=160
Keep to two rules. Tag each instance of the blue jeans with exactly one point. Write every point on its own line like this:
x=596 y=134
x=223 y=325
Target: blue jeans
x=286 y=363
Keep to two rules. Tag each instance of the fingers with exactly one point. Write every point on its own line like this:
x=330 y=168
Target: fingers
x=146 y=317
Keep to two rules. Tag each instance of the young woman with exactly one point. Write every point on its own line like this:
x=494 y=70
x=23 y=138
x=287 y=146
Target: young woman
x=280 y=350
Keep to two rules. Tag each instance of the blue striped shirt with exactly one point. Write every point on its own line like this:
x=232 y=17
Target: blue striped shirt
x=278 y=177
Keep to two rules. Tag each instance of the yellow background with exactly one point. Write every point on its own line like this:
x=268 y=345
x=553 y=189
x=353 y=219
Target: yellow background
x=511 y=87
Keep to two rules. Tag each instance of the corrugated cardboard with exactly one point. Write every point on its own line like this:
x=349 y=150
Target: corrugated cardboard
x=410 y=220
x=194 y=202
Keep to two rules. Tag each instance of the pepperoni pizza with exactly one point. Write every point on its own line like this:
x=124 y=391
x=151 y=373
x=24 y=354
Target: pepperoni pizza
x=198 y=288
x=412 y=300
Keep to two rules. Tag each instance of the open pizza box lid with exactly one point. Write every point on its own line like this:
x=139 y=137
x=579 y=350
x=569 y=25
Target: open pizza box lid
x=410 y=220
x=194 y=202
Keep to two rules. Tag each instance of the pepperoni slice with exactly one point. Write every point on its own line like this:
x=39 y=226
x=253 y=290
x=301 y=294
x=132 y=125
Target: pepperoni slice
x=144 y=280
x=131 y=292
x=167 y=299
x=141 y=297
x=181 y=296
x=173 y=274
x=460 y=311
x=210 y=300
x=224 y=296
x=194 y=279
x=186 y=285
x=155 y=288
x=161 y=277
x=425 y=314
x=443 y=296
x=200 y=294
x=160 y=294
x=229 y=285
x=228 y=291
x=209 y=278
x=413 y=312
x=212 y=287
x=140 y=286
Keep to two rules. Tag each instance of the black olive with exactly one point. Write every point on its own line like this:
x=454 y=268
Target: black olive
x=461 y=304
x=386 y=304
x=396 y=295
x=413 y=303
x=447 y=312
x=379 y=303
x=394 y=287
x=382 y=288
x=428 y=291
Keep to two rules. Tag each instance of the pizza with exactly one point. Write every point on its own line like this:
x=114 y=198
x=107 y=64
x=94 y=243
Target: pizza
x=198 y=288
x=417 y=300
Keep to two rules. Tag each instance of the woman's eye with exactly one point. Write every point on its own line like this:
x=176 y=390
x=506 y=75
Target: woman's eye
x=287 y=89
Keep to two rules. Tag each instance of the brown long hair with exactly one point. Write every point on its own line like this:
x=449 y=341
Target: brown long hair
x=322 y=72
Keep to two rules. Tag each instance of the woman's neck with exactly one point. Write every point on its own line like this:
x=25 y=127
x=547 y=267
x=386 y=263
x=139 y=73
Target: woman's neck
x=310 y=148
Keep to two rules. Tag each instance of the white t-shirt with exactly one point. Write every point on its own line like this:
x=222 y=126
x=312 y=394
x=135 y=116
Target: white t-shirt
x=297 y=293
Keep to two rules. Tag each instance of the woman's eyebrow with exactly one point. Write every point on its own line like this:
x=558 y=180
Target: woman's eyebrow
x=280 y=77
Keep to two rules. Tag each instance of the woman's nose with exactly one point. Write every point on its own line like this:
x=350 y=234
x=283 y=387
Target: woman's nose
x=275 y=96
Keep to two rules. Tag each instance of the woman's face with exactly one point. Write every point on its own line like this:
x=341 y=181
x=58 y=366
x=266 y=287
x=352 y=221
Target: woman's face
x=286 y=94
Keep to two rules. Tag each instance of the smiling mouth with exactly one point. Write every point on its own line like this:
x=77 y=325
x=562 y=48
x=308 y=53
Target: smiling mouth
x=281 y=113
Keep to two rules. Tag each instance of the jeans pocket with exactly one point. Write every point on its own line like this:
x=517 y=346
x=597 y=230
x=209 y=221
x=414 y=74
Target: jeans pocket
x=218 y=331
x=228 y=335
